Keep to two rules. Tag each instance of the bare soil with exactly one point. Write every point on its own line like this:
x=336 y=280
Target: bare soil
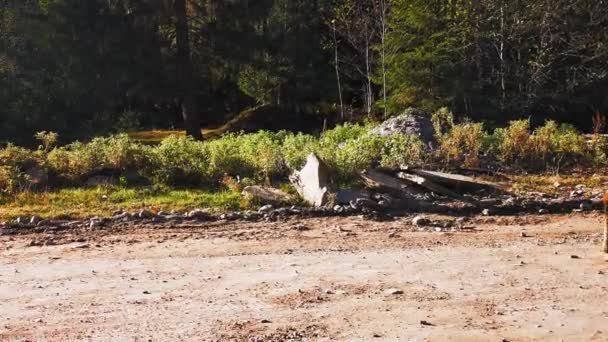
x=310 y=280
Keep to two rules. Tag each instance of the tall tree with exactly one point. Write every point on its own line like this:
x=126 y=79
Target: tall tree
x=185 y=72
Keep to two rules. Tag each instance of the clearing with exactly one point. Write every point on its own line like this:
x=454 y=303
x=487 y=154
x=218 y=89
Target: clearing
x=510 y=278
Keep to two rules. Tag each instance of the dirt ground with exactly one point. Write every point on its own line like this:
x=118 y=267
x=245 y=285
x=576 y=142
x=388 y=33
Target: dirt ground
x=344 y=279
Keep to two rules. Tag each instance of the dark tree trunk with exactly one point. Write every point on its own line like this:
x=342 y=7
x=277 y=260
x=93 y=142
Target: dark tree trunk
x=184 y=72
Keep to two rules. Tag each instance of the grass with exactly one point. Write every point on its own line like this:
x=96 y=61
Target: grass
x=103 y=201
x=546 y=184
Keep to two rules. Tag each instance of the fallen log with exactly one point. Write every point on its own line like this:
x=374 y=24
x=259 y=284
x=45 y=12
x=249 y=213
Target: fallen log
x=453 y=180
x=429 y=185
x=379 y=180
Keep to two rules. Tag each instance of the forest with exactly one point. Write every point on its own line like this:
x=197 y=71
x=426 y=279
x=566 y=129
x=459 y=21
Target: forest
x=90 y=68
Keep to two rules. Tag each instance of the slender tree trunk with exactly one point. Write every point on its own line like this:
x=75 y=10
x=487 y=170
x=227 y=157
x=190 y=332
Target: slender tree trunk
x=382 y=37
x=368 y=76
x=336 y=61
x=502 y=58
x=184 y=72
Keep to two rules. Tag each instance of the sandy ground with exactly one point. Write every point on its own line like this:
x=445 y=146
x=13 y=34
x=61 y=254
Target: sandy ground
x=344 y=279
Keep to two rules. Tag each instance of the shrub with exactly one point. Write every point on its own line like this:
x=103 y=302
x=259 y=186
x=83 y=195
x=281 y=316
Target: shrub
x=553 y=144
x=443 y=121
x=332 y=140
x=116 y=153
x=261 y=151
x=514 y=142
x=462 y=144
x=181 y=160
x=296 y=147
x=48 y=140
x=400 y=150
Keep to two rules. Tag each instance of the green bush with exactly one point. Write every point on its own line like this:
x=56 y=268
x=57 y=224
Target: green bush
x=117 y=153
x=179 y=160
x=296 y=147
x=462 y=144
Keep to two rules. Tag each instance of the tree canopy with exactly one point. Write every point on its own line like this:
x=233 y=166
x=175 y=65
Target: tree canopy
x=86 y=68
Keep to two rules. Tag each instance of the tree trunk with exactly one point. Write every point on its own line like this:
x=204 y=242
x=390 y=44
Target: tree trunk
x=184 y=73
x=383 y=36
x=337 y=61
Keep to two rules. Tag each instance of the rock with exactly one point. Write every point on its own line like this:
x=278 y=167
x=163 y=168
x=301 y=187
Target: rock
x=577 y=193
x=145 y=214
x=267 y=194
x=313 y=181
x=394 y=292
x=574 y=257
x=361 y=203
x=37 y=177
x=486 y=212
x=427 y=323
x=420 y=221
x=410 y=122
x=345 y=196
x=338 y=209
x=542 y=211
x=101 y=181
x=266 y=209
x=198 y=214
x=586 y=206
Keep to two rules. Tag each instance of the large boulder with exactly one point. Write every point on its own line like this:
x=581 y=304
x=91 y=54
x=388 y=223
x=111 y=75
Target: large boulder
x=313 y=182
x=410 y=122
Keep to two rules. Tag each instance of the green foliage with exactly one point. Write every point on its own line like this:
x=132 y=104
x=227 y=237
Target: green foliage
x=48 y=140
x=128 y=121
x=296 y=147
x=78 y=160
x=462 y=144
x=443 y=121
x=181 y=160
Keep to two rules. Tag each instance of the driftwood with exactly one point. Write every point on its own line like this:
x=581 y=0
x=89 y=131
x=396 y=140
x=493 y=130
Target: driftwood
x=431 y=186
x=452 y=180
x=267 y=194
x=379 y=180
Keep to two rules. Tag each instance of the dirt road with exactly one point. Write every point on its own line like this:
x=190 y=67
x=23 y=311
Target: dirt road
x=314 y=280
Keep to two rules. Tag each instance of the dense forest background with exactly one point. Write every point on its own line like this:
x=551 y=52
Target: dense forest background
x=85 y=68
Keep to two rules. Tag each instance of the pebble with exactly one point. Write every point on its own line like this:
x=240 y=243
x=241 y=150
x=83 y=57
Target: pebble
x=420 y=221
x=394 y=292
x=266 y=209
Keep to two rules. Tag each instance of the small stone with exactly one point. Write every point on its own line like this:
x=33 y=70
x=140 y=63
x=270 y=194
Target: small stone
x=329 y=292
x=394 y=292
x=573 y=256
x=300 y=227
x=144 y=214
x=420 y=221
x=426 y=323
x=586 y=206
x=198 y=214
x=601 y=272
x=146 y=292
x=265 y=321
x=524 y=235
x=486 y=212
x=266 y=209
x=542 y=211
